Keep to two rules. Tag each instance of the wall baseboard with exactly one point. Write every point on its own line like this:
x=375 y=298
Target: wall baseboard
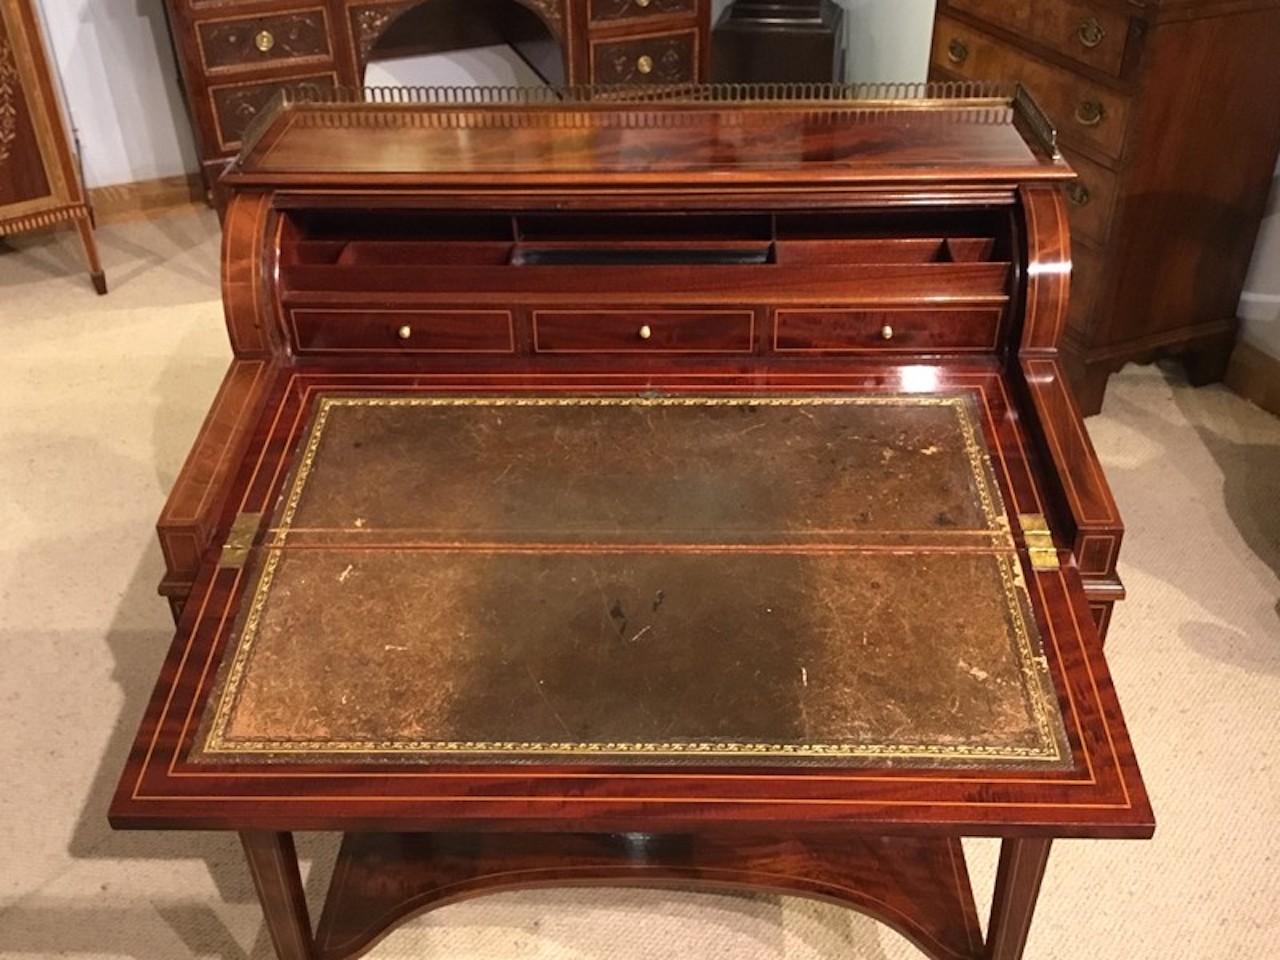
x=146 y=198
x=1255 y=375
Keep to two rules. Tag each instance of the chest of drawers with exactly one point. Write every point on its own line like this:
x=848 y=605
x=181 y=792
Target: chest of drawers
x=236 y=55
x=1165 y=110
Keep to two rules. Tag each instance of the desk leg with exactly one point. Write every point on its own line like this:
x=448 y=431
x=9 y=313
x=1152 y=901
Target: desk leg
x=1022 y=863
x=274 y=865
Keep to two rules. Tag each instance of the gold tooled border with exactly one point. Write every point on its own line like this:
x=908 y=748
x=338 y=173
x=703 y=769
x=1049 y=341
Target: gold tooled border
x=1033 y=666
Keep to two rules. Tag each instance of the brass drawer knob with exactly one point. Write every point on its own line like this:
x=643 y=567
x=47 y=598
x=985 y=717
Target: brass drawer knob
x=1090 y=113
x=1078 y=194
x=886 y=332
x=957 y=51
x=1091 y=32
x=264 y=40
x=643 y=3
x=646 y=332
x=405 y=332
x=645 y=64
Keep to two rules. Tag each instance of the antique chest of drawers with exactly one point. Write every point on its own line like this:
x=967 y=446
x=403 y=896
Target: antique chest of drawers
x=1160 y=110
x=236 y=55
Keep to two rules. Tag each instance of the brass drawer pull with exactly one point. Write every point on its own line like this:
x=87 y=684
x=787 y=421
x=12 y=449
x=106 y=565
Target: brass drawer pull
x=886 y=332
x=264 y=40
x=1090 y=113
x=1091 y=32
x=405 y=332
x=645 y=64
x=1078 y=194
x=645 y=332
x=643 y=3
x=957 y=51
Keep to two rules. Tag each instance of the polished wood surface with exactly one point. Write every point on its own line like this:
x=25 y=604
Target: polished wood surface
x=853 y=268
x=40 y=178
x=1144 y=96
x=235 y=59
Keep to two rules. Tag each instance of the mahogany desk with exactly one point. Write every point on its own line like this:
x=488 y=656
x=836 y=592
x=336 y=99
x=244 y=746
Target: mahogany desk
x=627 y=492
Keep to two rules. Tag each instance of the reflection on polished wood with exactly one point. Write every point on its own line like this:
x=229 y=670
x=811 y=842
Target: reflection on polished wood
x=693 y=607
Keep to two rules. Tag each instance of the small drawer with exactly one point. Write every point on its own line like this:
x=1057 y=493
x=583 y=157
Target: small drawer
x=612 y=11
x=236 y=105
x=643 y=331
x=660 y=58
x=327 y=330
x=1084 y=112
x=259 y=41
x=1088 y=33
x=1091 y=200
x=923 y=330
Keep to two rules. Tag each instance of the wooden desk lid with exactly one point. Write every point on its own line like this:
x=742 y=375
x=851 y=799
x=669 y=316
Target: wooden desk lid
x=955 y=134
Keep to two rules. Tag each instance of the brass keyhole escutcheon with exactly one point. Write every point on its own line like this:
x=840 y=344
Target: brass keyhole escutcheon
x=405 y=332
x=1078 y=194
x=957 y=51
x=264 y=40
x=886 y=332
x=1091 y=32
x=646 y=332
x=1090 y=113
x=645 y=64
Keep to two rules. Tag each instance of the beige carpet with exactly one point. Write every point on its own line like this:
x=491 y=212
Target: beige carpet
x=99 y=400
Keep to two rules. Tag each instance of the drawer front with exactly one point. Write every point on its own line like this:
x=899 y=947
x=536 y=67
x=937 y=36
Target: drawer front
x=236 y=105
x=836 y=330
x=661 y=58
x=261 y=41
x=1083 y=111
x=643 y=331
x=1088 y=273
x=324 y=330
x=611 y=11
x=1091 y=200
x=1088 y=33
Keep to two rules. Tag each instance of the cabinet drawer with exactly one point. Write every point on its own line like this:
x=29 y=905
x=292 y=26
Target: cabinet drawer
x=325 y=330
x=959 y=329
x=260 y=41
x=1083 y=111
x=1088 y=33
x=236 y=105
x=643 y=331
x=1091 y=200
x=660 y=58
x=612 y=11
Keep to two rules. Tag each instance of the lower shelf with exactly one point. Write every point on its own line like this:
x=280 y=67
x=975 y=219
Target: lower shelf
x=919 y=887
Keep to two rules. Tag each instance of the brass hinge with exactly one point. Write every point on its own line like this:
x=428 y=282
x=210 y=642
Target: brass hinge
x=235 y=550
x=1040 y=548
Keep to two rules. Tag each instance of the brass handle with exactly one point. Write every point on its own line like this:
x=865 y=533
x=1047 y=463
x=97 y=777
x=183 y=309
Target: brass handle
x=1078 y=194
x=957 y=51
x=405 y=332
x=1091 y=32
x=643 y=3
x=1090 y=113
x=645 y=64
x=264 y=40
x=886 y=332
x=645 y=332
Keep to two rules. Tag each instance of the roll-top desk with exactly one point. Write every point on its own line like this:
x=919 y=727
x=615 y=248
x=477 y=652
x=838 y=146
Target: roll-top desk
x=616 y=491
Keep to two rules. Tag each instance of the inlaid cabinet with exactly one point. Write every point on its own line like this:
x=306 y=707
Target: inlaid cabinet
x=236 y=55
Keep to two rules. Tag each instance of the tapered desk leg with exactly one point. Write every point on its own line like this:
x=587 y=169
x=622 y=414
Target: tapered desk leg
x=1022 y=863
x=274 y=865
x=91 y=254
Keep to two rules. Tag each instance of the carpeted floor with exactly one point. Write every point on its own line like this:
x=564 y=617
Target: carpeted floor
x=99 y=400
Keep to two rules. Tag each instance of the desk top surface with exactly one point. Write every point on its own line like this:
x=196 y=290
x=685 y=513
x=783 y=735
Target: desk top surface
x=760 y=598
x=530 y=137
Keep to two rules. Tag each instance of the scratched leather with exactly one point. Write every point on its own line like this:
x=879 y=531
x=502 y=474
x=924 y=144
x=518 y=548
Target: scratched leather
x=655 y=626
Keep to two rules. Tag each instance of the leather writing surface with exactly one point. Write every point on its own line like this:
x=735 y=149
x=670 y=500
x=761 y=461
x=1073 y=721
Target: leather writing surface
x=810 y=579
